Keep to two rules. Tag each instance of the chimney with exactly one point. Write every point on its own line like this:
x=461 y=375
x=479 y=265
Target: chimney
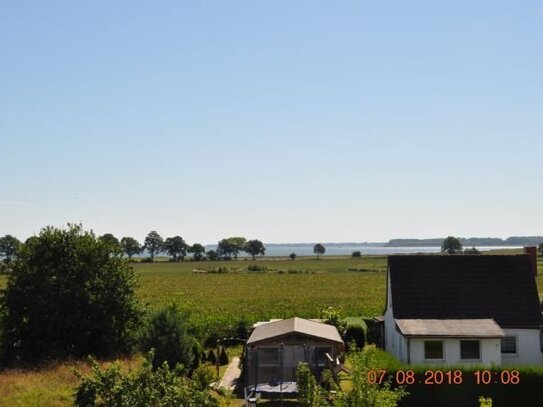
x=532 y=251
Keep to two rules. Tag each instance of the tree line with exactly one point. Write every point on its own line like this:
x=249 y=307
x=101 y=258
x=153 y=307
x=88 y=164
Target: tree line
x=176 y=247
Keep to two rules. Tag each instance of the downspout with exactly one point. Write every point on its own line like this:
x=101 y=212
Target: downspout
x=408 y=350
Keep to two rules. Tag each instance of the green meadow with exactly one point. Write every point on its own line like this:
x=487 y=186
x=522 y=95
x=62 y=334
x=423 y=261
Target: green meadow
x=226 y=292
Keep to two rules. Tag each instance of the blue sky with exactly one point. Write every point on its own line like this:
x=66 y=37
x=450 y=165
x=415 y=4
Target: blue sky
x=286 y=121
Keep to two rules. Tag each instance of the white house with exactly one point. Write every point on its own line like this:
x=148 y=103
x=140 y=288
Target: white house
x=464 y=309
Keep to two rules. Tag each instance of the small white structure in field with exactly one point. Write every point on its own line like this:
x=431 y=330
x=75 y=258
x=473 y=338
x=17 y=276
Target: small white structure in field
x=463 y=309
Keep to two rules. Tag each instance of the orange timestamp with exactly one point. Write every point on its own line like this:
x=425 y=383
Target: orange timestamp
x=437 y=377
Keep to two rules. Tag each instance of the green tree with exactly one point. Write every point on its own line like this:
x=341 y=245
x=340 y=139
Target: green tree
x=153 y=243
x=292 y=256
x=357 y=253
x=111 y=240
x=9 y=247
x=68 y=297
x=319 y=249
x=212 y=255
x=224 y=249
x=254 y=248
x=197 y=251
x=130 y=246
x=167 y=334
x=451 y=245
x=176 y=247
x=362 y=393
x=230 y=247
x=541 y=249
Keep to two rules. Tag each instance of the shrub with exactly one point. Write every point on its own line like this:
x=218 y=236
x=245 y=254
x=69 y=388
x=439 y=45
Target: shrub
x=219 y=270
x=292 y=256
x=256 y=267
x=147 y=260
x=166 y=333
x=211 y=357
x=203 y=376
x=355 y=331
x=242 y=329
x=363 y=393
x=357 y=253
x=223 y=358
x=310 y=394
x=373 y=333
x=146 y=387
x=5 y=267
x=69 y=295
x=333 y=316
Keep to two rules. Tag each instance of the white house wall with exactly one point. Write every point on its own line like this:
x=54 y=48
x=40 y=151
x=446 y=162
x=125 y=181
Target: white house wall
x=490 y=352
x=395 y=343
x=528 y=348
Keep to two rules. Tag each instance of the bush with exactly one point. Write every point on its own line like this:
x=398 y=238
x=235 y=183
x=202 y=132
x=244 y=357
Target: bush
x=362 y=393
x=223 y=358
x=357 y=253
x=355 y=331
x=69 y=295
x=167 y=334
x=5 y=267
x=203 y=376
x=332 y=316
x=310 y=394
x=242 y=329
x=147 y=260
x=256 y=267
x=146 y=387
x=211 y=357
x=374 y=332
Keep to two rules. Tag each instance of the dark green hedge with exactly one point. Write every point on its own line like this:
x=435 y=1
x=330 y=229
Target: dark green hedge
x=529 y=391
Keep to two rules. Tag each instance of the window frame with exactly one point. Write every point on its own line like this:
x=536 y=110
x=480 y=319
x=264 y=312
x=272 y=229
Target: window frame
x=479 y=349
x=442 y=342
x=509 y=354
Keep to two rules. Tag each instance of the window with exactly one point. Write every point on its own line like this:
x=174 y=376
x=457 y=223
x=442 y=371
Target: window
x=509 y=345
x=470 y=350
x=433 y=350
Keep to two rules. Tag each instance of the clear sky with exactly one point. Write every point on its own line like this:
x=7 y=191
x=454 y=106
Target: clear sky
x=286 y=121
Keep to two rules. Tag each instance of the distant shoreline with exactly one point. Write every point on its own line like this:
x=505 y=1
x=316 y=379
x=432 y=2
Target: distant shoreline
x=342 y=250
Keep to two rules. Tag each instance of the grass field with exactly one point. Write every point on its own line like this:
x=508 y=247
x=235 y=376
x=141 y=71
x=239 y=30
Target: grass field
x=225 y=298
